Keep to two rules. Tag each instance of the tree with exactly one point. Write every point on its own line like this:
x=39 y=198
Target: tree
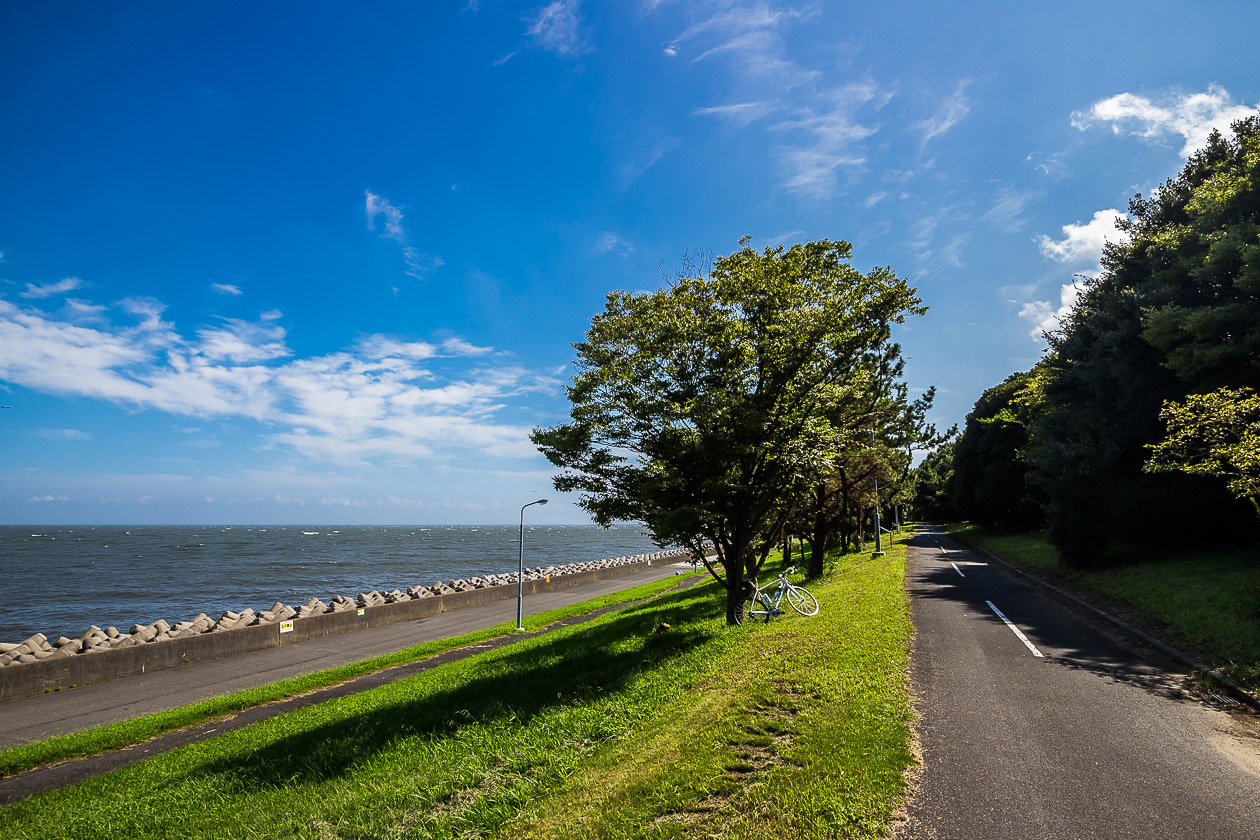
x=702 y=409
x=1216 y=434
x=990 y=478
x=1176 y=311
x=881 y=428
x=932 y=499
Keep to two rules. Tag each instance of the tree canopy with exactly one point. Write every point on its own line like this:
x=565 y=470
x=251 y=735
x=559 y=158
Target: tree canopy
x=1216 y=434
x=704 y=408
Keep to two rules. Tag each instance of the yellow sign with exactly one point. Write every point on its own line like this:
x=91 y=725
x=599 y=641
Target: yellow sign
x=286 y=627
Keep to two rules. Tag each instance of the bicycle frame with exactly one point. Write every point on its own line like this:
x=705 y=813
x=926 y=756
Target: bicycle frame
x=769 y=601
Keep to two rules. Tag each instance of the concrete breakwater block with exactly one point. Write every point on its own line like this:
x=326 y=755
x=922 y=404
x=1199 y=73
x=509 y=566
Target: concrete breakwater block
x=95 y=639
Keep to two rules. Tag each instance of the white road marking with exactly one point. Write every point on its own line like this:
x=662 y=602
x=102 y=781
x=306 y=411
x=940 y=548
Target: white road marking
x=1015 y=630
x=956 y=569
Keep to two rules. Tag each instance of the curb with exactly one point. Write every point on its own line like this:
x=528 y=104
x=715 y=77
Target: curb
x=1241 y=694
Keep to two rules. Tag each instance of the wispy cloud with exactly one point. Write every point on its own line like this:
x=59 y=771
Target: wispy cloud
x=419 y=264
x=1191 y=116
x=1008 y=208
x=633 y=170
x=51 y=289
x=829 y=140
x=610 y=242
x=821 y=128
x=63 y=434
x=557 y=28
x=226 y=288
x=952 y=254
x=739 y=114
x=948 y=114
x=747 y=35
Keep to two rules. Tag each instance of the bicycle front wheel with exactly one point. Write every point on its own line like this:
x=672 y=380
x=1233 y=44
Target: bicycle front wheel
x=802 y=601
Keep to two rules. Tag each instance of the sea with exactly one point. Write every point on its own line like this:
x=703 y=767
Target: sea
x=59 y=580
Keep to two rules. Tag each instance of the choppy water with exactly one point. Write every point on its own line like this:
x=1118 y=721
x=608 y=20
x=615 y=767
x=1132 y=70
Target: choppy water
x=60 y=580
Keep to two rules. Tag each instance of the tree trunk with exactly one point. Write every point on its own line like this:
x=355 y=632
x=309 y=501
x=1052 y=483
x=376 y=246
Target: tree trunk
x=735 y=563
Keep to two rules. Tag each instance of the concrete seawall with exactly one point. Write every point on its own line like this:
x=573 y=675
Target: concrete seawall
x=61 y=670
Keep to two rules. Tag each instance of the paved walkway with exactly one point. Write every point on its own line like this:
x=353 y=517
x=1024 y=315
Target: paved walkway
x=32 y=718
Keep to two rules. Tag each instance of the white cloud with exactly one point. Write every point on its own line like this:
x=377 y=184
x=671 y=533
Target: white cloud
x=948 y=114
x=557 y=28
x=83 y=310
x=226 y=288
x=1045 y=316
x=1081 y=249
x=45 y=499
x=380 y=399
x=419 y=264
x=242 y=341
x=1082 y=243
x=50 y=289
x=1192 y=116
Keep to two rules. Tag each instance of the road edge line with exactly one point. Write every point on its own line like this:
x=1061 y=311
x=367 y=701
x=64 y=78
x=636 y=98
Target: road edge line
x=1240 y=693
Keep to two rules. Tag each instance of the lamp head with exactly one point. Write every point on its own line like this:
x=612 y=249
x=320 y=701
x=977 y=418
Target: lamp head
x=541 y=502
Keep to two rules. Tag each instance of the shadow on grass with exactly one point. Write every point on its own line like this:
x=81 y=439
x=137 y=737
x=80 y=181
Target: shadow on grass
x=552 y=672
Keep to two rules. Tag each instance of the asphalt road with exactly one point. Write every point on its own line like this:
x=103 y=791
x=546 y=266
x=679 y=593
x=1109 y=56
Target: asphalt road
x=32 y=718
x=1071 y=731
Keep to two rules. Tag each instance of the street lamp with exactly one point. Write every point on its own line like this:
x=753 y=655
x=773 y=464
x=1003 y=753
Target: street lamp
x=520 y=575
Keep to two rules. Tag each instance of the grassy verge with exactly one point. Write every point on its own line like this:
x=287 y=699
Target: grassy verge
x=1205 y=602
x=654 y=721
x=118 y=735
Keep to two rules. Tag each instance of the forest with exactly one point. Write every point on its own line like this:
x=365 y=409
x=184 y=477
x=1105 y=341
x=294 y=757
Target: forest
x=1139 y=428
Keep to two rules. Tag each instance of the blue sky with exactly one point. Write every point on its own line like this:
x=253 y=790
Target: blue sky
x=312 y=263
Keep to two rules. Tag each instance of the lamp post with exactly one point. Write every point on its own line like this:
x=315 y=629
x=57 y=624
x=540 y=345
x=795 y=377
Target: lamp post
x=520 y=575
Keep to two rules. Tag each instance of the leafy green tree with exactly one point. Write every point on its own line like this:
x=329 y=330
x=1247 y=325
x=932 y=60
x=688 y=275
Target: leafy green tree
x=990 y=477
x=1176 y=311
x=879 y=429
x=1216 y=434
x=932 y=499
x=702 y=409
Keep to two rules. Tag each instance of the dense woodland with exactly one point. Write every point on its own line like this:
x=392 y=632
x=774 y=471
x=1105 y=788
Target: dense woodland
x=1140 y=427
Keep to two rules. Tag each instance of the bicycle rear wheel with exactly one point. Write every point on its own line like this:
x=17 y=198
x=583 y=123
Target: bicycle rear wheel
x=750 y=609
x=802 y=600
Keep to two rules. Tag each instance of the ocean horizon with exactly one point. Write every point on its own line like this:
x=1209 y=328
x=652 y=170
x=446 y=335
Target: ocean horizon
x=61 y=579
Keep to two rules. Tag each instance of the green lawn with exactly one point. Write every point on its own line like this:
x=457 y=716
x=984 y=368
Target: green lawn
x=653 y=721
x=118 y=735
x=1207 y=602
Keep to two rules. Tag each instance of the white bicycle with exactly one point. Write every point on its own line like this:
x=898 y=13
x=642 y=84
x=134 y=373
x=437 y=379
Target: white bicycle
x=763 y=602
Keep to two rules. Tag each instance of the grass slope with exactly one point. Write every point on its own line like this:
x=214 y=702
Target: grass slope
x=115 y=736
x=654 y=721
x=1207 y=602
